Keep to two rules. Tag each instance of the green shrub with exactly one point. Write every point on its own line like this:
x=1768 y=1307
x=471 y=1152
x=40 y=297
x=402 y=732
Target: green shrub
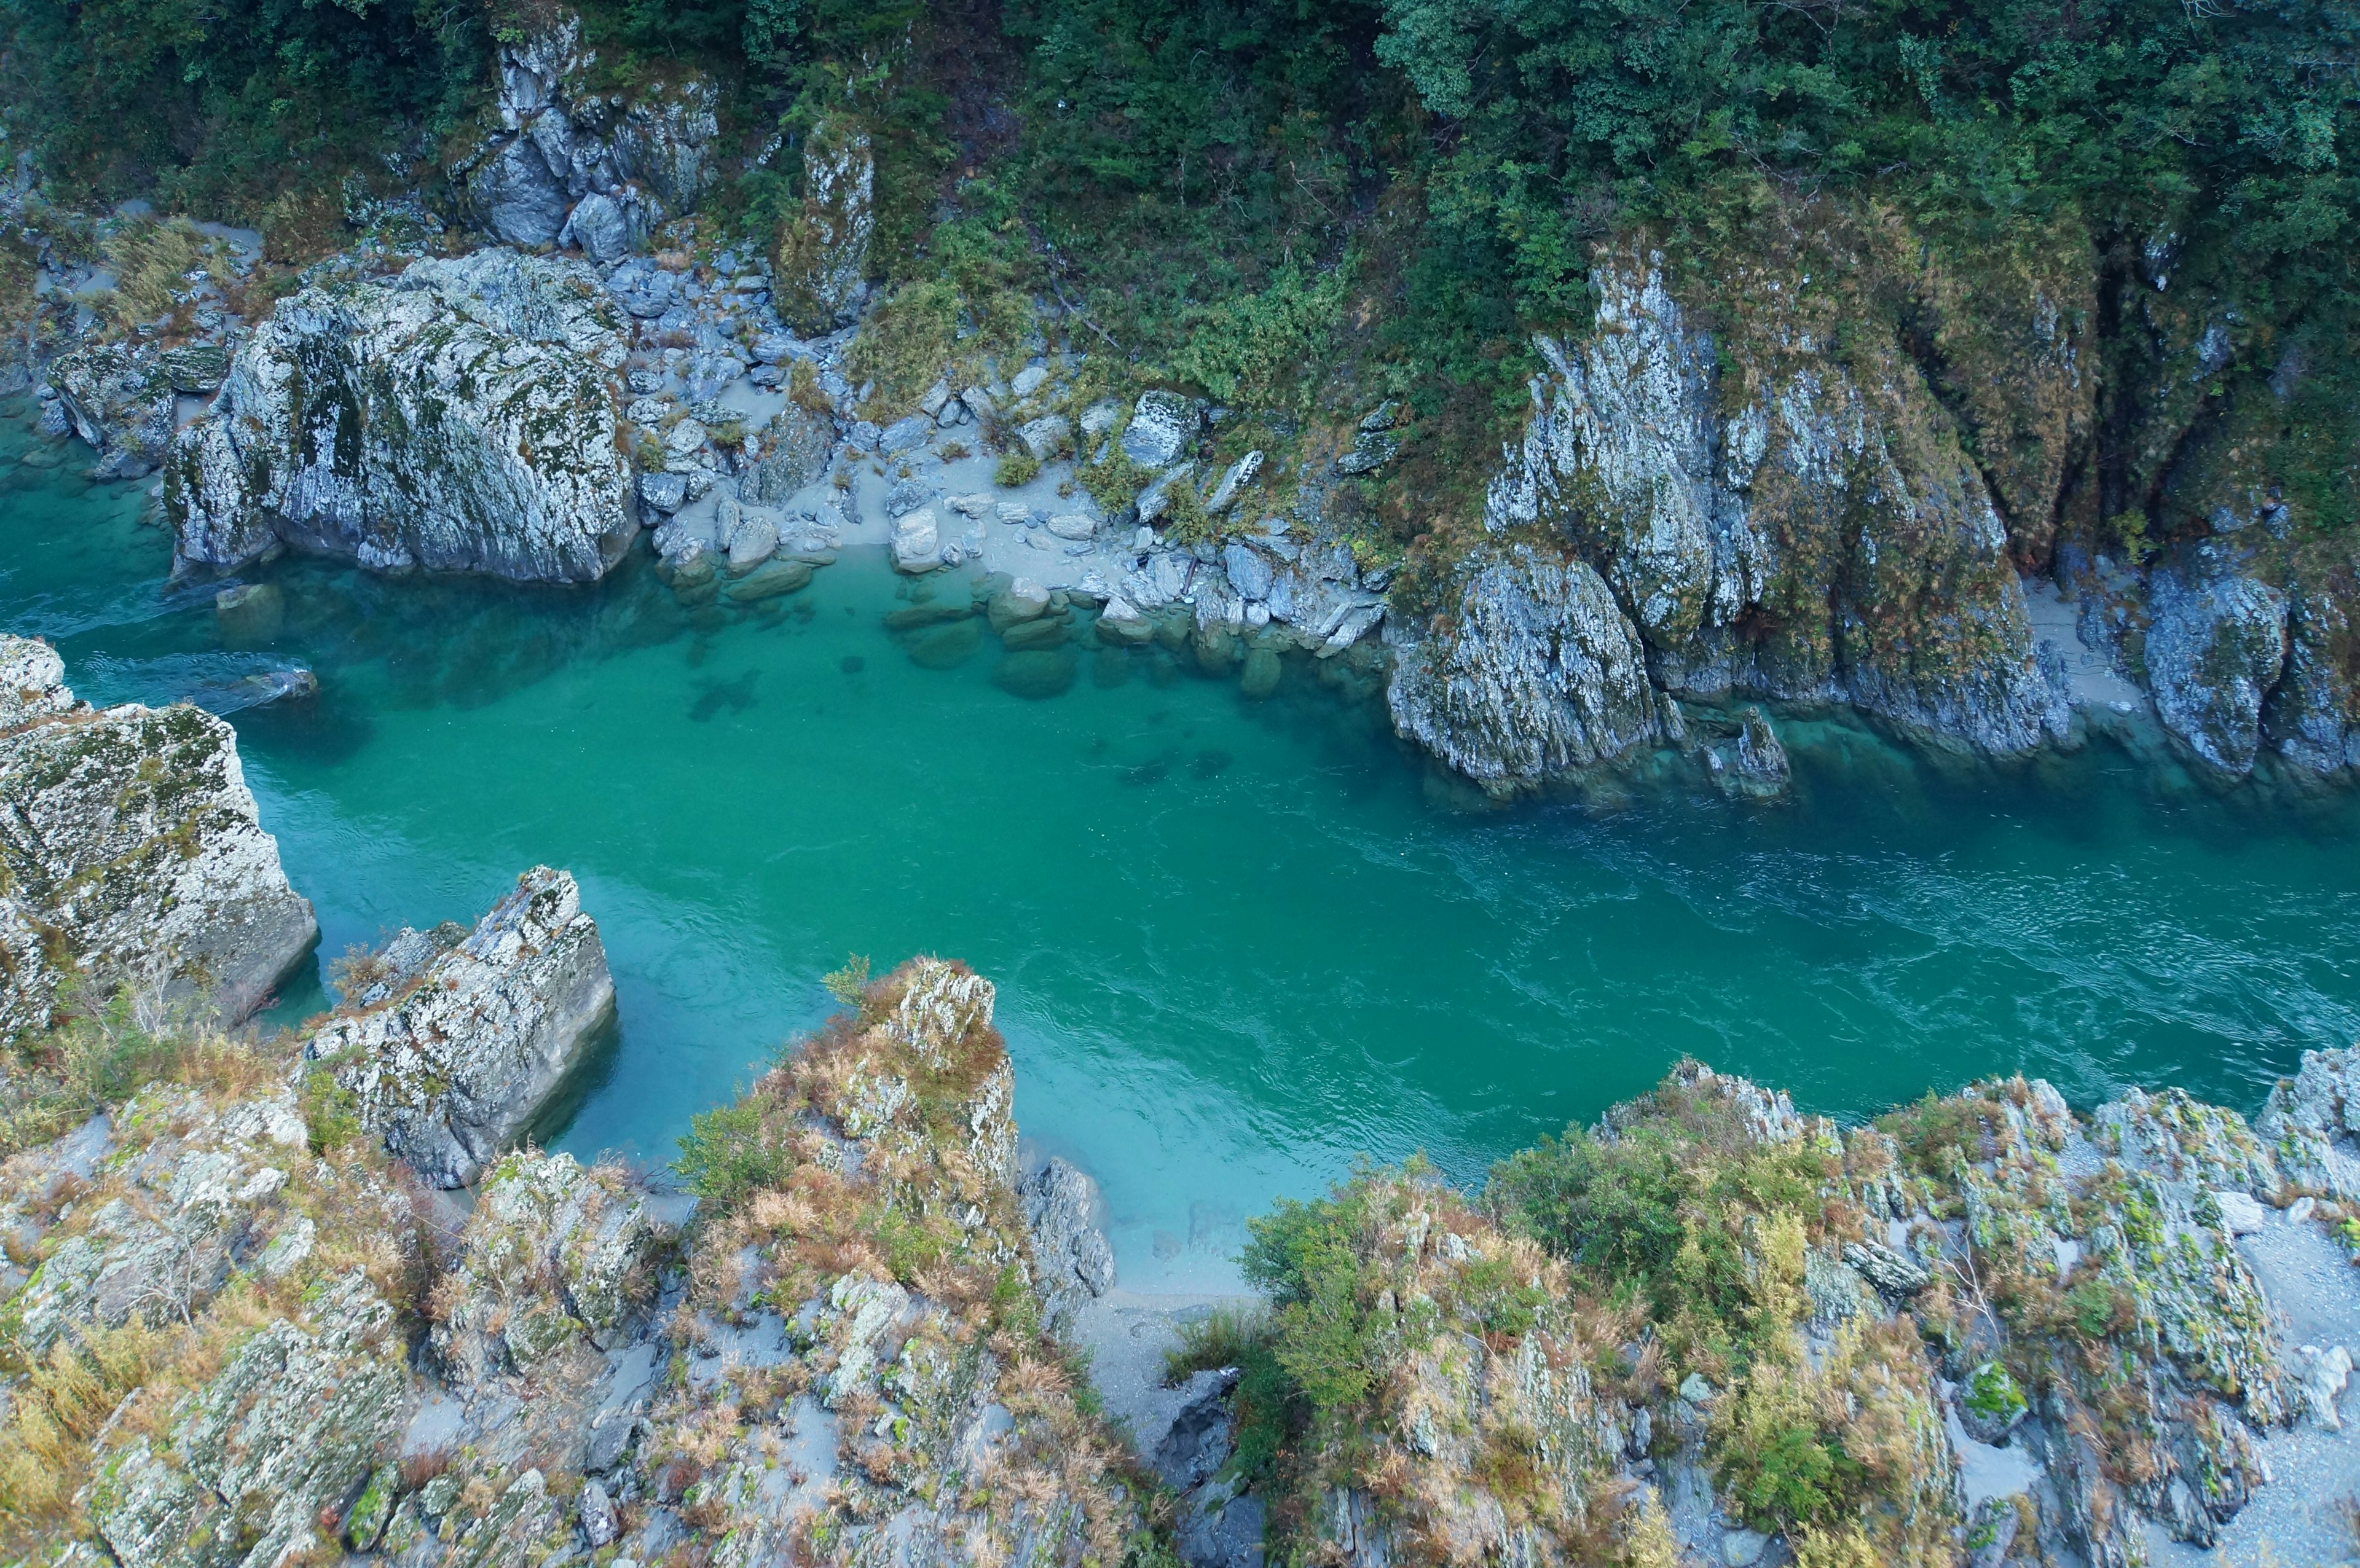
x=331 y=1113
x=1016 y=468
x=1259 y=347
x=732 y=1153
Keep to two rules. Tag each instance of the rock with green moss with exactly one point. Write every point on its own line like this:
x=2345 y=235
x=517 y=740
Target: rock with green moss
x=132 y=855
x=451 y=1061
x=820 y=258
x=1760 y=516
x=459 y=419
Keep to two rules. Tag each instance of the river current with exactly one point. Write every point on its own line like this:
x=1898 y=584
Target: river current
x=1239 y=944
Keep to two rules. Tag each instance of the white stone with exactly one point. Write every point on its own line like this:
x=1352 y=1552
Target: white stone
x=917 y=541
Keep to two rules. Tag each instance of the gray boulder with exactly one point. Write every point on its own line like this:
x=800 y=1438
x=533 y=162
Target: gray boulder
x=122 y=398
x=457 y=420
x=130 y=854
x=1162 y=430
x=2215 y=649
x=1541 y=675
x=451 y=1065
x=1074 y=1258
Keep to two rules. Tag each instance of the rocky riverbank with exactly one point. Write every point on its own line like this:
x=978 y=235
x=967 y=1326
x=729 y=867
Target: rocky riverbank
x=1705 y=507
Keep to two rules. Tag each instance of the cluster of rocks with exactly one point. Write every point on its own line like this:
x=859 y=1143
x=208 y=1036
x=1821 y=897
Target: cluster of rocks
x=561 y=1370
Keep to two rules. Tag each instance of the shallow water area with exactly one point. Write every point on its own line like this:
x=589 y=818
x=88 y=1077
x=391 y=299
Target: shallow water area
x=1237 y=943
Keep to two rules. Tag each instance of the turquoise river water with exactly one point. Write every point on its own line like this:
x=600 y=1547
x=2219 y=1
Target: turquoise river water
x=1238 y=944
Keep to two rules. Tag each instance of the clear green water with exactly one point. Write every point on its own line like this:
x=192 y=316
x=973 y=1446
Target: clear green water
x=1237 y=945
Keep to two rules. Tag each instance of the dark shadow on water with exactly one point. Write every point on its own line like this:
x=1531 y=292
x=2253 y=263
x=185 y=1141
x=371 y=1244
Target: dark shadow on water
x=715 y=697
x=590 y=1074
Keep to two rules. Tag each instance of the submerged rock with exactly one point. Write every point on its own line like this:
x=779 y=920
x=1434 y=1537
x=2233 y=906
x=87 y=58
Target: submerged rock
x=132 y=855
x=449 y=1057
x=458 y=419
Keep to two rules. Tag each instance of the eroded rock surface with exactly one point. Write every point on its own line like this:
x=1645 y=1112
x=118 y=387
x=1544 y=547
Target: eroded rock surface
x=131 y=855
x=458 y=418
x=1790 y=527
x=451 y=1051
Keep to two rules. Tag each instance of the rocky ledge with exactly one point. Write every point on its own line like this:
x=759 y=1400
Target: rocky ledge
x=130 y=856
x=1982 y=1330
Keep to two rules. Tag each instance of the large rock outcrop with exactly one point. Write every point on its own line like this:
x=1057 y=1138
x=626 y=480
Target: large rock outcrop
x=130 y=854
x=567 y=160
x=458 y=418
x=451 y=1051
x=1750 y=513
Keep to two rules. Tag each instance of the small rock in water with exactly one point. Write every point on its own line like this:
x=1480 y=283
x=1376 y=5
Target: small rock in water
x=753 y=541
x=916 y=617
x=1035 y=673
x=1021 y=599
x=1260 y=677
x=251 y=613
x=773 y=579
x=917 y=545
x=852 y=664
x=1041 y=632
x=947 y=646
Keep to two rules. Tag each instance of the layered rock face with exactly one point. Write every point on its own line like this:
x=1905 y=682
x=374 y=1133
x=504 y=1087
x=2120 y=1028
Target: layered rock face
x=452 y=1048
x=1693 y=514
x=569 y=163
x=131 y=855
x=459 y=419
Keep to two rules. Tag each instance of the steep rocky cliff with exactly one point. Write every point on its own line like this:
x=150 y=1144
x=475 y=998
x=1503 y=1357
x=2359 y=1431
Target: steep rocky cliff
x=1781 y=507
x=458 y=418
x=130 y=855
x=564 y=158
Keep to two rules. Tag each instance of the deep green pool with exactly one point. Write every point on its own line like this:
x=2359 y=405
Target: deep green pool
x=1237 y=945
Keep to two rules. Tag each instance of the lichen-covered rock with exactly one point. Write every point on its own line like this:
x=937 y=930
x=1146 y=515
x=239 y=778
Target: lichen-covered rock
x=130 y=854
x=279 y=1437
x=231 y=1298
x=123 y=398
x=2215 y=649
x=1762 y=517
x=819 y=261
x=458 y=419
x=1487 y=1436
x=562 y=159
x=2311 y=1124
x=449 y=1061
x=1539 y=674
x=554 y=1252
